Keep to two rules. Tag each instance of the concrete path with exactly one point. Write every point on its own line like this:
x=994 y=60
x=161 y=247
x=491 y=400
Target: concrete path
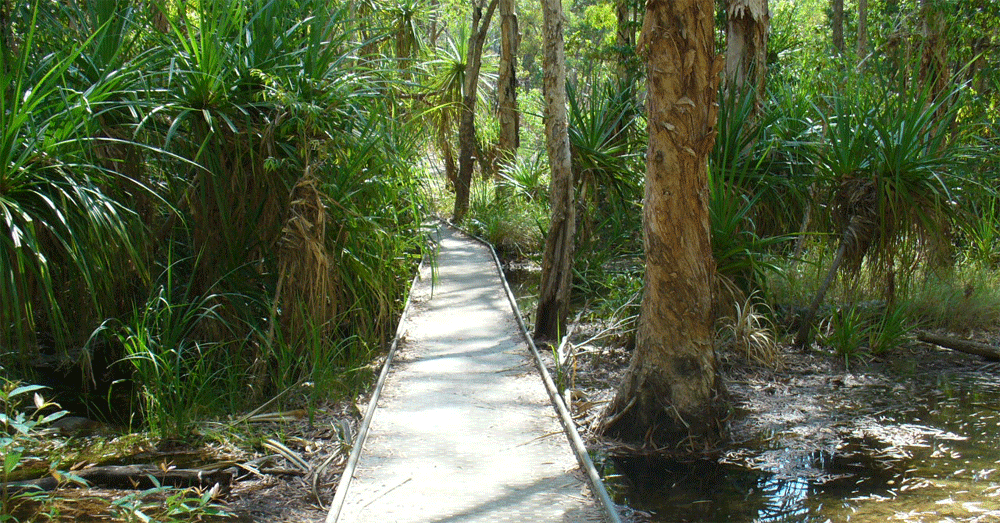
x=464 y=430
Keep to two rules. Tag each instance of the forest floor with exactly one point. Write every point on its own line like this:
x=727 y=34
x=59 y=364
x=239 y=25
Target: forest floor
x=812 y=402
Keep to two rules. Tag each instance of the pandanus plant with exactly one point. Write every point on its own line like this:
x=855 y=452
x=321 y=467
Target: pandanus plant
x=59 y=231
x=893 y=173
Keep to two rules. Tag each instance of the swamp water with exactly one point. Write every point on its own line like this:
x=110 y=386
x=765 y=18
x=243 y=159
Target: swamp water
x=915 y=442
x=914 y=449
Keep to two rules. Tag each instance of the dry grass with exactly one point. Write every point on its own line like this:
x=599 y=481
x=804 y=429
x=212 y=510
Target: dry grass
x=748 y=331
x=307 y=292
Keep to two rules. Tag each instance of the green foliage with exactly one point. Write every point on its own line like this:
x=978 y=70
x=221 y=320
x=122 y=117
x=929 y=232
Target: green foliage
x=178 y=372
x=59 y=231
x=201 y=123
x=856 y=331
x=746 y=187
x=20 y=436
x=965 y=300
x=890 y=170
x=980 y=235
x=892 y=328
x=168 y=505
x=527 y=177
x=601 y=134
x=847 y=332
x=514 y=229
x=605 y=141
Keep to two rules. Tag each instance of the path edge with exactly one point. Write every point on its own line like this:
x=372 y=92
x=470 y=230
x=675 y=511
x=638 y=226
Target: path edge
x=611 y=514
x=333 y=515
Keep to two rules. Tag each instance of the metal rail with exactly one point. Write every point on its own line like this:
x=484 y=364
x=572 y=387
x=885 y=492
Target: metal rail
x=582 y=456
x=579 y=449
x=359 y=442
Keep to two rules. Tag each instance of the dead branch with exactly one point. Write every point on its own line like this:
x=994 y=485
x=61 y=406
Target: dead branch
x=967 y=346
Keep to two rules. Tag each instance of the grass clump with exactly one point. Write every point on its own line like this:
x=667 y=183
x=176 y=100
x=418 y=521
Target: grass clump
x=961 y=301
x=514 y=229
x=750 y=333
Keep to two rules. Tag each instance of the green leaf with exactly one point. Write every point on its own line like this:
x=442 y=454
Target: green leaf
x=10 y=462
x=25 y=389
x=54 y=416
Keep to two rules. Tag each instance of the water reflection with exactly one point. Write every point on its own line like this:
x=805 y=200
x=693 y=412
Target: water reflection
x=903 y=451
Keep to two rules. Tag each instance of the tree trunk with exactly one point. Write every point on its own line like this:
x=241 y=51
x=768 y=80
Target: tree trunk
x=967 y=346
x=862 y=29
x=467 y=122
x=837 y=25
x=507 y=81
x=7 y=52
x=746 y=46
x=557 y=261
x=933 y=56
x=802 y=338
x=670 y=395
x=625 y=38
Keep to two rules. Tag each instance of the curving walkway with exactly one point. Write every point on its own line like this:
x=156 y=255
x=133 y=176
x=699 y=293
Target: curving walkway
x=463 y=430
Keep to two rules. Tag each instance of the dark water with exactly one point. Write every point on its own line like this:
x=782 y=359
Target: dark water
x=912 y=445
x=917 y=449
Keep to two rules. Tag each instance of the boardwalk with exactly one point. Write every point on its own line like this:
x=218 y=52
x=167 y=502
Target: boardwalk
x=464 y=430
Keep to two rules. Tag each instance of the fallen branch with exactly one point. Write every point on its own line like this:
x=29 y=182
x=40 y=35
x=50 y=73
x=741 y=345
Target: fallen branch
x=967 y=346
x=130 y=477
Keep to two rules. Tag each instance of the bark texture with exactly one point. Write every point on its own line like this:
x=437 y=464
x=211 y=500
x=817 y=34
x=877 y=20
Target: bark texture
x=746 y=45
x=507 y=80
x=934 y=55
x=467 y=118
x=669 y=396
x=625 y=37
x=862 y=29
x=837 y=25
x=557 y=261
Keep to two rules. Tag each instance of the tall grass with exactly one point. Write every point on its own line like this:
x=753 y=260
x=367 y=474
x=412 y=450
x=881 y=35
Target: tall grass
x=181 y=375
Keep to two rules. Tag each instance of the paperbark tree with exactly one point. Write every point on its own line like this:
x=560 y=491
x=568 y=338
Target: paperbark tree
x=467 y=121
x=669 y=396
x=862 y=48
x=625 y=37
x=557 y=261
x=507 y=80
x=746 y=45
x=837 y=25
x=934 y=54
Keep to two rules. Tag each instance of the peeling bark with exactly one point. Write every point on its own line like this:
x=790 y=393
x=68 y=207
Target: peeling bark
x=746 y=45
x=557 y=261
x=669 y=397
